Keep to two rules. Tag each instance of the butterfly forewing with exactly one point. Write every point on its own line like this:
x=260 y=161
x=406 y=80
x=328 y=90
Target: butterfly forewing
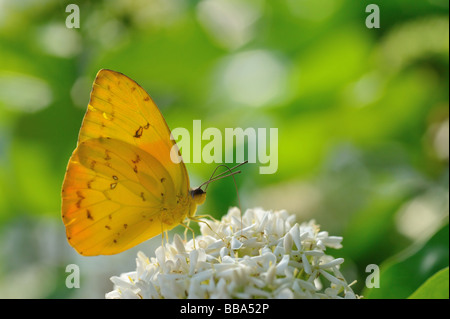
x=121 y=109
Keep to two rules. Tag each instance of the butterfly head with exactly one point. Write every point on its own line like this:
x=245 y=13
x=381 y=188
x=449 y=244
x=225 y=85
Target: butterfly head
x=198 y=195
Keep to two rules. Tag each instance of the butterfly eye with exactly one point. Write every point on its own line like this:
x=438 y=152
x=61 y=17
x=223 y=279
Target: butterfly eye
x=196 y=192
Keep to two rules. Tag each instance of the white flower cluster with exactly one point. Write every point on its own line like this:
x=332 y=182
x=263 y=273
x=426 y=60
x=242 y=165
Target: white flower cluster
x=264 y=254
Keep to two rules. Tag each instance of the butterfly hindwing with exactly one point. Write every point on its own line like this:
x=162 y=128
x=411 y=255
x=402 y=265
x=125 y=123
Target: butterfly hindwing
x=111 y=203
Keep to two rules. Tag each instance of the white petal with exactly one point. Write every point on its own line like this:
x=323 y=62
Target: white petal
x=160 y=256
x=270 y=275
x=306 y=265
x=331 y=264
x=285 y=294
x=282 y=265
x=193 y=257
x=314 y=253
x=235 y=244
x=332 y=241
x=287 y=243
x=224 y=252
x=179 y=245
x=295 y=233
x=121 y=283
x=350 y=295
x=331 y=277
x=129 y=294
x=113 y=295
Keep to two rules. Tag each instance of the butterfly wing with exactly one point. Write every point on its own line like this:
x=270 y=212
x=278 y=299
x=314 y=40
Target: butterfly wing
x=121 y=187
x=121 y=109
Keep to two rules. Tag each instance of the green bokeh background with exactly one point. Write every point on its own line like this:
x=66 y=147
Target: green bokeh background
x=362 y=117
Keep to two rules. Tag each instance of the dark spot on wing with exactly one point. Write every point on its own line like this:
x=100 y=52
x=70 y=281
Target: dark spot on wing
x=81 y=197
x=138 y=132
x=137 y=160
x=88 y=215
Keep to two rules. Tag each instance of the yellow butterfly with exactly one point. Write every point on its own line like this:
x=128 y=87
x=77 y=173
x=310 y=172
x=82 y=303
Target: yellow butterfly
x=121 y=186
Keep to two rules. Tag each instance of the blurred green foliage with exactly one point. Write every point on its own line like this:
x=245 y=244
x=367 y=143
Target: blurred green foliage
x=435 y=287
x=362 y=116
x=402 y=274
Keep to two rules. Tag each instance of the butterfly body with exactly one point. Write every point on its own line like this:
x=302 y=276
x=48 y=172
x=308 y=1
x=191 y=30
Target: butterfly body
x=121 y=186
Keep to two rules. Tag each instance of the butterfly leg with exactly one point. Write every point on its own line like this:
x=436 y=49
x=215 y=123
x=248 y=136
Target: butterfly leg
x=207 y=216
x=164 y=233
x=167 y=236
x=198 y=220
x=185 y=232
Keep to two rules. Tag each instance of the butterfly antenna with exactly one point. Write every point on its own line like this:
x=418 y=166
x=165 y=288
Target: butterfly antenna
x=222 y=175
x=218 y=178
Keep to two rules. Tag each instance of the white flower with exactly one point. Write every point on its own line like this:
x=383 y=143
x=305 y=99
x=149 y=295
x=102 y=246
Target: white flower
x=261 y=254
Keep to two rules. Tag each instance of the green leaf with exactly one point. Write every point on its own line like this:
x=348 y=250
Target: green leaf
x=436 y=287
x=402 y=274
